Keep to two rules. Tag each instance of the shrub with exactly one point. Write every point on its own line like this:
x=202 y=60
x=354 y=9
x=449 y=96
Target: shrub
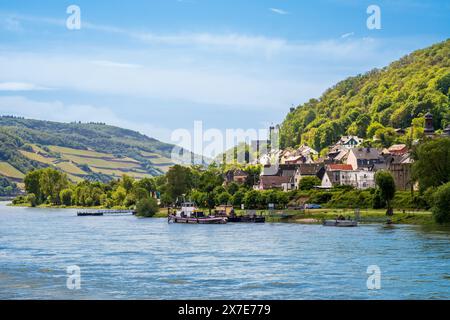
x=308 y=183
x=441 y=204
x=147 y=207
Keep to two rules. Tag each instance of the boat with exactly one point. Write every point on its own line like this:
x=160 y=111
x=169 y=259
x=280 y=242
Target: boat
x=228 y=212
x=340 y=223
x=190 y=214
x=247 y=219
x=97 y=213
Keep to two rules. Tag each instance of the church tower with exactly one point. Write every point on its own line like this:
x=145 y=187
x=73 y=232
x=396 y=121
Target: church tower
x=429 y=128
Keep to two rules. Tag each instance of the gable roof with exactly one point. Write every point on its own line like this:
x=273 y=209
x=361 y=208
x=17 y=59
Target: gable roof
x=309 y=169
x=268 y=182
x=340 y=167
x=366 y=153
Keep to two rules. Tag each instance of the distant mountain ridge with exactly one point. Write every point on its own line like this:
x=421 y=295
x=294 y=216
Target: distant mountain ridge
x=93 y=151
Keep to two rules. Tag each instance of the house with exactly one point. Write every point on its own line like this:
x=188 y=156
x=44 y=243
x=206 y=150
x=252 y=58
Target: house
x=338 y=153
x=364 y=158
x=272 y=182
x=237 y=176
x=447 y=131
x=398 y=149
x=400 y=168
x=308 y=170
x=349 y=141
x=343 y=174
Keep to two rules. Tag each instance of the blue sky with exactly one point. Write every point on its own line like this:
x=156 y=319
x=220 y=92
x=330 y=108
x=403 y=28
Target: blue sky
x=155 y=66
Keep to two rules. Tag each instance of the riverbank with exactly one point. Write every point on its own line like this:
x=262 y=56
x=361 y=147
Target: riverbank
x=312 y=216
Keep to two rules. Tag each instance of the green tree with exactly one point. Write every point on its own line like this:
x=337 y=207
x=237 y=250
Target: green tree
x=51 y=183
x=31 y=199
x=238 y=197
x=178 y=181
x=32 y=185
x=373 y=128
x=119 y=196
x=66 y=197
x=232 y=188
x=251 y=199
x=386 y=136
x=432 y=163
x=308 y=183
x=386 y=186
x=223 y=198
x=441 y=204
x=127 y=183
x=147 y=207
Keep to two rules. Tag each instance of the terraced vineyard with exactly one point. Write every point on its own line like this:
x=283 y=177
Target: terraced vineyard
x=80 y=164
x=90 y=151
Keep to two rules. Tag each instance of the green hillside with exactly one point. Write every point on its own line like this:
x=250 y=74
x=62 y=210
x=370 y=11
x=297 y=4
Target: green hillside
x=90 y=151
x=388 y=98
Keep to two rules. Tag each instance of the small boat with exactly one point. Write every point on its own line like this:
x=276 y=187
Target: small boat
x=189 y=214
x=340 y=223
x=89 y=214
x=247 y=219
x=97 y=213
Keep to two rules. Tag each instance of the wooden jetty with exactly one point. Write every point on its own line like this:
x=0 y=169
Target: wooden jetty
x=96 y=213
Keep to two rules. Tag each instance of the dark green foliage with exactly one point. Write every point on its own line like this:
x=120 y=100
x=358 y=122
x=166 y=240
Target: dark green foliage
x=432 y=163
x=392 y=96
x=147 y=207
x=386 y=186
x=441 y=204
x=8 y=188
x=308 y=183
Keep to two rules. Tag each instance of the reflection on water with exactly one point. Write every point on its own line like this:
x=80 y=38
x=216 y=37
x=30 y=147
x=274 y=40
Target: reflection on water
x=129 y=258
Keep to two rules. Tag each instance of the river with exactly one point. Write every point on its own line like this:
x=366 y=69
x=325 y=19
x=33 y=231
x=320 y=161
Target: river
x=125 y=257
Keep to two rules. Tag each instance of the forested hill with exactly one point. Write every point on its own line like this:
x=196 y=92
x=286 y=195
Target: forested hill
x=388 y=98
x=83 y=150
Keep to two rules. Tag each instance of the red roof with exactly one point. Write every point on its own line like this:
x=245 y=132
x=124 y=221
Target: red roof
x=342 y=167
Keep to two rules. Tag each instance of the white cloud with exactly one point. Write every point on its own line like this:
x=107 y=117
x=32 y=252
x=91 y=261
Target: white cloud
x=20 y=86
x=279 y=11
x=346 y=35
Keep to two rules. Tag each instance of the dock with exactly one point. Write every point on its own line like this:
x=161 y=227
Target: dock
x=97 y=213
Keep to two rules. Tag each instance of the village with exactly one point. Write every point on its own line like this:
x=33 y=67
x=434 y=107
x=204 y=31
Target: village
x=348 y=163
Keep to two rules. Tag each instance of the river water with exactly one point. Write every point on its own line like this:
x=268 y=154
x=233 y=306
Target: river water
x=125 y=257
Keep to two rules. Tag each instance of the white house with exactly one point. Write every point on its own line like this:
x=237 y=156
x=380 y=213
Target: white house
x=343 y=174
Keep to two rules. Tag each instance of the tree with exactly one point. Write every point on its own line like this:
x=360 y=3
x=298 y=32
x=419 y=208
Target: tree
x=66 y=197
x=308 y=183
x=238 y=197
x=127 y=183
x=32 y=185
x=282 y=199
x=373 y=128
x=251 y=199
x=386 y=186
x=31 y=198
x=119 y=196
x=51 y=182
x=386 y=136
x=441 y=204
x=432 y=163
x=178 y=181
x=223 y=198
x=147 y=207
x=232 y=188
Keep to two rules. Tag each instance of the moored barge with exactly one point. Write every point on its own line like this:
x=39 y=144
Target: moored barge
x=189 y=214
